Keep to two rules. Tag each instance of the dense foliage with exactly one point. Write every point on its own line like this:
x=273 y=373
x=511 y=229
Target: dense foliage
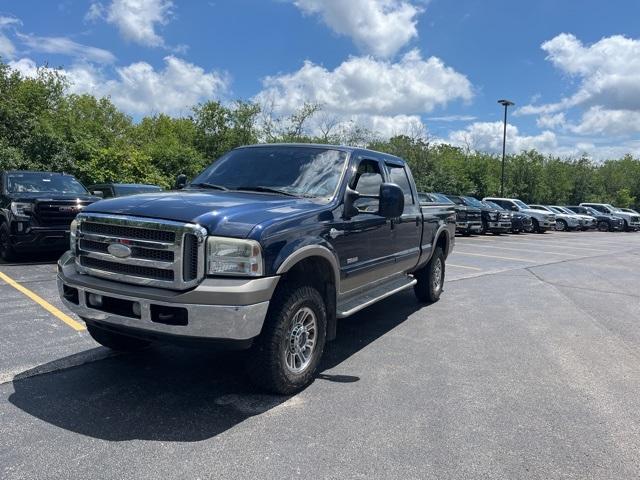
x=43 y=127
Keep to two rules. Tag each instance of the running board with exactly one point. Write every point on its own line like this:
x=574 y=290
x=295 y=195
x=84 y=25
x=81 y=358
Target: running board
x=373 y=295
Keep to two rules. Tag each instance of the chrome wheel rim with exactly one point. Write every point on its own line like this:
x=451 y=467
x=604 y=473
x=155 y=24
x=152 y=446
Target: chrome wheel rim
x=437 y=275
x=559 y=226
x=300 y=340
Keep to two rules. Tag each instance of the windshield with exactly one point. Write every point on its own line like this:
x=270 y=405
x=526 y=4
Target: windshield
x=473 y=202
x=520 y=203
x=593 y=211
x=555 y=210
x=565 y=210
x=299 y=171
x=494 y=205
x=438 y=197
x=37 y=182
x=456 y=200
x=613 y=209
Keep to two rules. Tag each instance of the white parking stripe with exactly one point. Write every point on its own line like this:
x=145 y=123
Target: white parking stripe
x=463 y=266
x=545 y=252
x=458 y=252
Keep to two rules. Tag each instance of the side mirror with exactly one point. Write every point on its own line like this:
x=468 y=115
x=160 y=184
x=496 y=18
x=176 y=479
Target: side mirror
x=350 y=197
x=97 y=193
x=181 y=181
x=391 y=201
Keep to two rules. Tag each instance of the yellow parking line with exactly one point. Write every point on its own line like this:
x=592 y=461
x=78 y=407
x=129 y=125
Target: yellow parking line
x=43 y=303
x=463 y=266
x=458 y=252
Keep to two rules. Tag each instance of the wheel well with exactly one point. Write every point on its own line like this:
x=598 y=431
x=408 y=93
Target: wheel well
x=443 y=243
x=316 y=272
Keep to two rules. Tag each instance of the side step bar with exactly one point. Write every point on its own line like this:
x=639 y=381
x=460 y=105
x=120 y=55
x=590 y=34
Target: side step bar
x=355 y=304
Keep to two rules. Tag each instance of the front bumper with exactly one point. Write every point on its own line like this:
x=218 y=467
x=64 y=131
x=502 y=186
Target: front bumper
x=29 y=239
x=500 y=226
x=469 y=226
x=217 y=309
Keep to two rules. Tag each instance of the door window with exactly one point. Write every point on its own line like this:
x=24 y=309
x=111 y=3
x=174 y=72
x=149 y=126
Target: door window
x=367 y=181
x=398 y=175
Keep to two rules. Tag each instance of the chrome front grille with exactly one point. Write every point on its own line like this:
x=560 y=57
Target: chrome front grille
x=160 y=253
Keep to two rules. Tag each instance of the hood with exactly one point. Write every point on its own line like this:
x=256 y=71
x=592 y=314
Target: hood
x=231 y=214
x=533 y=212
x=464 y=208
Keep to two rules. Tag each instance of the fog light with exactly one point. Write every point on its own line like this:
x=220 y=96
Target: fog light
x=136 y=309
x=95 y=300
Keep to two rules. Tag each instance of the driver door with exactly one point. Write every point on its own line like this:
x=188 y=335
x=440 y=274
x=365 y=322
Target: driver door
x=363 y=242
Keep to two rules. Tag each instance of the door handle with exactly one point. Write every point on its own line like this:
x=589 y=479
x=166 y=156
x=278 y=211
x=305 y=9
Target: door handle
x=333 y=233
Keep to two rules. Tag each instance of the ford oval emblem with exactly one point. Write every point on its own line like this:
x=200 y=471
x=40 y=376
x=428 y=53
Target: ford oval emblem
x=118 y=250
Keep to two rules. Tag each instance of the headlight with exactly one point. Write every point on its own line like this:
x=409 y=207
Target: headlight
x=21 y=209
x=73 y=229
x=231 y=256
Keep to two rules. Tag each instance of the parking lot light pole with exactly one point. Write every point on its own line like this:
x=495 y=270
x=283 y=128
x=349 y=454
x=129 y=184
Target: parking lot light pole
x=506 y=104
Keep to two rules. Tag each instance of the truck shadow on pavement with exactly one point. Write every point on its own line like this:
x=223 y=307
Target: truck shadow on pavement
x=172 y=394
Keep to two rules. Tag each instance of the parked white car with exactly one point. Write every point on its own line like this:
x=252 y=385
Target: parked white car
x=542 y=220
x=631 y=221
x=564 y=221
x=587 y=221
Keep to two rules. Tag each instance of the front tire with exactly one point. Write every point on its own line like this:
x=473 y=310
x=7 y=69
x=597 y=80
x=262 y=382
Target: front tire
x=604 y=226
x=286 y=355
x=116 y=341
x=431 y=278
x=7 y=253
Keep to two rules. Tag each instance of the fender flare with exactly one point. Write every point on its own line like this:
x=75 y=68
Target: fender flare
x=311 y=251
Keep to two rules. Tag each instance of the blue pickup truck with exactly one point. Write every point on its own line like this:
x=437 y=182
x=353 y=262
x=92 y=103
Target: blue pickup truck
x=264 y=250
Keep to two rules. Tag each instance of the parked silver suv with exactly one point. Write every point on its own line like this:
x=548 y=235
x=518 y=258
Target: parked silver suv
x=542 y=221
x=631 y=221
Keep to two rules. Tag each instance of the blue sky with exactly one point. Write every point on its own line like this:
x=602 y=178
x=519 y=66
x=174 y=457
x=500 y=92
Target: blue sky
x=433 y=68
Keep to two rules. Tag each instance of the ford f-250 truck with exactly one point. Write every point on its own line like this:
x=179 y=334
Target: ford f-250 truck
x=265 y=250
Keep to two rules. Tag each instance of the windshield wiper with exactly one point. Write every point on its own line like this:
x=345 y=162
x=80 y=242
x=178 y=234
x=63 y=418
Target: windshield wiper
x=259 y=188
x=209 y=185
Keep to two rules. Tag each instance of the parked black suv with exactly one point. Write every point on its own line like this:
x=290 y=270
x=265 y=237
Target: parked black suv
x=36 y=210
x=520 y=222
x=492 y=220
x=606 y=221
x=468 y=219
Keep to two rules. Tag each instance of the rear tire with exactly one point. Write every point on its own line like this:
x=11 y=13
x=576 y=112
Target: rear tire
x=7 y=253
x=116 y=341
x=285 y=357
x=431 y=278
x=561 y=226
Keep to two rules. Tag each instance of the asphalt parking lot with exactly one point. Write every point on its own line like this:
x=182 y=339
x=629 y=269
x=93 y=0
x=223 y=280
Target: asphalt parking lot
x=528 y=367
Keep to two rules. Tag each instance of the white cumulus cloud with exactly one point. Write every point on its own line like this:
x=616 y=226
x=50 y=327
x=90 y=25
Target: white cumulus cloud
x=487 y=137
x=378 y=93
x=378 y=27
x=608 y=78
x=7 y=48
x=139 y=88
x=136 y=19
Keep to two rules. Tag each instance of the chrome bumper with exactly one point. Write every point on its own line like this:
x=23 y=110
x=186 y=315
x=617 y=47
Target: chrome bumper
x=226 y=309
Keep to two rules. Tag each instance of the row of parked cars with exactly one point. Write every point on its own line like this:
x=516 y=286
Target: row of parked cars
x=511 y=215
x=36 y=208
